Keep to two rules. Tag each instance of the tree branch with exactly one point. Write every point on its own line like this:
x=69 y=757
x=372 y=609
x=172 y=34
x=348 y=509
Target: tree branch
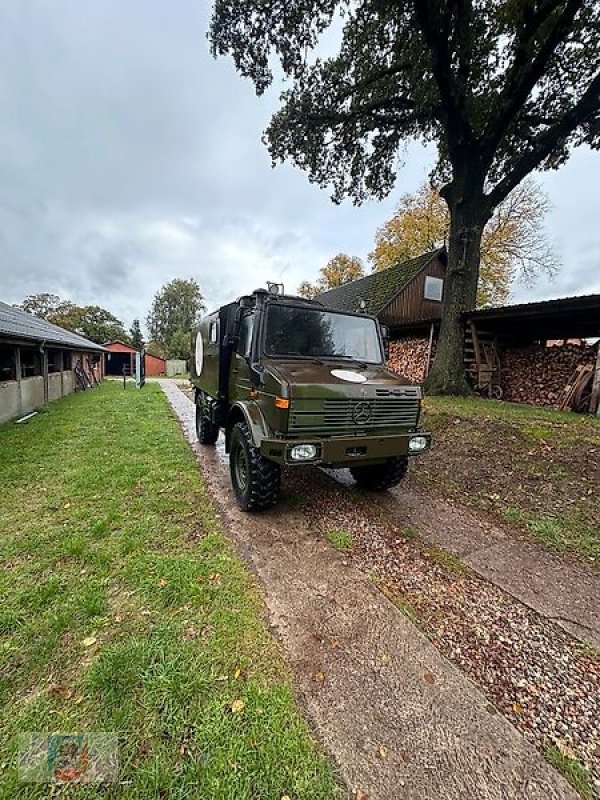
x=586 y=107
x=527 y=71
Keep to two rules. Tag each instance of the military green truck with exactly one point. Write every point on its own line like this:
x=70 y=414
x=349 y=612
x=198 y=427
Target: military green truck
x=292 y=382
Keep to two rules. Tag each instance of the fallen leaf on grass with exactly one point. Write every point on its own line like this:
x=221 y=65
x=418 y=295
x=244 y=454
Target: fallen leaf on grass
x=237 y=706
x=360 y=795
x=517 y=708
x=162 y=583
x=429 y=677
x=319 y=677
x=383 y=752
x=89 y=641
x=60 y=692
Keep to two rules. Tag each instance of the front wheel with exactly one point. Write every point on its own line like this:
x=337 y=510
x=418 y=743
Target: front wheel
x=380 y=477
x=255 y=479
x=206 y=430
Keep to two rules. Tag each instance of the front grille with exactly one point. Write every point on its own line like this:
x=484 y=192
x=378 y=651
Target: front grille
x=344 y=415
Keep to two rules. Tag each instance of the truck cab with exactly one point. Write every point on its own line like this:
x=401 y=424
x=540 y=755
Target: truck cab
x=291 y=382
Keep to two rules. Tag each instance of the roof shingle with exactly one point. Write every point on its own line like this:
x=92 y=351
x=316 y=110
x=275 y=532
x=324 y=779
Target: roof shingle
x=20 y=325
x=378 y=288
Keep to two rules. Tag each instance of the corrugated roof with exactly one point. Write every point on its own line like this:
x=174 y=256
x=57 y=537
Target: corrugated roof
x=20 y=325
x=377 y=289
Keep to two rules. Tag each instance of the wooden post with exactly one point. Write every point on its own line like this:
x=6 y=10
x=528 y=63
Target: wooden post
x=429 y=349
x=595 y=401
x=44 y=355
x=18 y=376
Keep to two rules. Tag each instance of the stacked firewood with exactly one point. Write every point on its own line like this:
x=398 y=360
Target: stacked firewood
x=408 y=357
x=538 y=375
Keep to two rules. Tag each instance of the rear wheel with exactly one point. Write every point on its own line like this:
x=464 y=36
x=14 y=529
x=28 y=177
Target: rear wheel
x=379 y=477
x=206 y=430
x=255 y=479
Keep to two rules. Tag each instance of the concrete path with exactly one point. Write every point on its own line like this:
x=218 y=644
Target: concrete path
x=555 y=586
x=399 y=720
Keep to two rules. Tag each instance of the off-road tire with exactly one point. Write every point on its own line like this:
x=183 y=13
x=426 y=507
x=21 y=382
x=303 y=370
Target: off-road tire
x=258 y=487
x=206 y=430
x=380 y=477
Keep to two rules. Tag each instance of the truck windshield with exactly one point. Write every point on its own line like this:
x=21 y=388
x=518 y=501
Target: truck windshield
x=311 y=333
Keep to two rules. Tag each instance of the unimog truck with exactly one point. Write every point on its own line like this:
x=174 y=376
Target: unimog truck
x=292 y=382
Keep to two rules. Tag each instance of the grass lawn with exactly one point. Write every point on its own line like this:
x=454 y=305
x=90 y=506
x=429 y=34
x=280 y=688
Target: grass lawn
x=535 y=468
x=124 y=609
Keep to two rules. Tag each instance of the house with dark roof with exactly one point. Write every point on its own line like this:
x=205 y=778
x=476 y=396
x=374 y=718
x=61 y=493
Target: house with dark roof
x=506 y=348
x=41 y=362
x=405 y=297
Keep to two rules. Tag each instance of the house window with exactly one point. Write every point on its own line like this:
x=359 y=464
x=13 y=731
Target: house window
x=8 y=368
x=67 y=361
x=434 y=288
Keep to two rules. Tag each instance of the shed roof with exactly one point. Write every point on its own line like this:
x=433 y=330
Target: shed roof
x=17 y=324
x=564 y=318
x=130 y=348
x=379 y=288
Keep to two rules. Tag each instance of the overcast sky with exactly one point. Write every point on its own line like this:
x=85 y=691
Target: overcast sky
x=129 y=157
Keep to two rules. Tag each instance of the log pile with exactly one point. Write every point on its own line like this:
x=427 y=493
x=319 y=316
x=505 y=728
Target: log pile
x=408 y=357
x=538 y=375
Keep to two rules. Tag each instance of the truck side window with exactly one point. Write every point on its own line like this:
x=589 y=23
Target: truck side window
x=213 y=332
x=245 y=341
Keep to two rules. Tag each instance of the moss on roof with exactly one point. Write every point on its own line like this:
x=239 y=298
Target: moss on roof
x=377 y=289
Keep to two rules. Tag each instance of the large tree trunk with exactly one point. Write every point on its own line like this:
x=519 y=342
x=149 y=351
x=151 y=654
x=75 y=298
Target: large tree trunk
x=467 y=220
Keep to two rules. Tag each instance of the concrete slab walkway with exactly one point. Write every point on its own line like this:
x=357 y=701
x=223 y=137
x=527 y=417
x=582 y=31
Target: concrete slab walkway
x=399 y=720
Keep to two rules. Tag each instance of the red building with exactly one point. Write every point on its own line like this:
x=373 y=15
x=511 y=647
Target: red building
x=121 y=355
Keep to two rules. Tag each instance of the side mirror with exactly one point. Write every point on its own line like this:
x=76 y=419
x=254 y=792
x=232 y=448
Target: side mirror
x=385 y=335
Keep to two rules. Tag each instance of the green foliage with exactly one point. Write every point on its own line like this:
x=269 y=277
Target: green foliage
x=174 y=312
x=504 y=86
x=180 y=345
x=341 y=540
x=93 y=322
x=137 y=340
x=338 y=270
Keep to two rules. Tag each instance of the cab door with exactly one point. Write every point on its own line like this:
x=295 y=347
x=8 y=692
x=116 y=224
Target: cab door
x=240 y=384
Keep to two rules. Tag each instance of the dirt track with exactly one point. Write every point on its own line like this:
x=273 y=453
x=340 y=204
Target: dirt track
x=399 y=719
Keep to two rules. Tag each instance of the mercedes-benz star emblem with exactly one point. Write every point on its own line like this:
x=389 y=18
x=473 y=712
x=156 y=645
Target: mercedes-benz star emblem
x=361 y=413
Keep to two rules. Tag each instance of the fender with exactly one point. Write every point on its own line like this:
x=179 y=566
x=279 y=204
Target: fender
x=252 y=415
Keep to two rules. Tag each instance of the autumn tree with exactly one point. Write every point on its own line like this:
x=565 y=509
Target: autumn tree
x=513 y=243
x=175 y=309
x=502 y=87
x=339 y=270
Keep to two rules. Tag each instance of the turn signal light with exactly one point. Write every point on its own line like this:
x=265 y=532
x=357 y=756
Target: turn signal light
x=282 y=402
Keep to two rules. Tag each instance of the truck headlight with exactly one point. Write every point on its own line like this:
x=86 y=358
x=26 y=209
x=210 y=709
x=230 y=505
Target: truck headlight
x=303 y=452
x=417 y=444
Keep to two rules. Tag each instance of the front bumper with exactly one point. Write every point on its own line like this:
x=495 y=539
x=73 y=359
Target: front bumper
x=344 y=451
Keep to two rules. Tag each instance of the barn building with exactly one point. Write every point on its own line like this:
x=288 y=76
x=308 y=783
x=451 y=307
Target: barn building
x=120 y=355
x=41 y=362
x=538 y=353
